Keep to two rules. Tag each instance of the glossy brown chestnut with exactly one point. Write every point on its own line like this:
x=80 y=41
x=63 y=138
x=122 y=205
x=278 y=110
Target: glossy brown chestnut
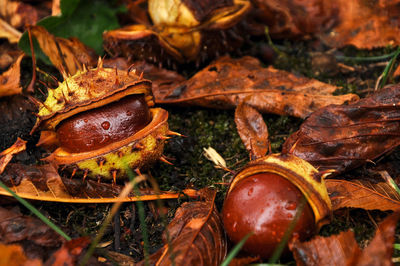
x=99 y=127
x=266 y=204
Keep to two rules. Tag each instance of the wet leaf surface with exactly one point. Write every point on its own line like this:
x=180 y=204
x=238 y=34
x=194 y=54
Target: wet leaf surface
x=196 y=236
x=252 y=130
x=362 y=194
x=226 y=82
x=342 y=137
x=343 y=249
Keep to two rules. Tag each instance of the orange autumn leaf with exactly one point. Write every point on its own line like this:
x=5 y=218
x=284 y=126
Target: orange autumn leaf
x=364 y=24
x=195 y=235
x=362 y=194
x=252 y=130
x=226 y=82
x=67 y=55
x=14 y=255
x=9 y=80
x=44 y=183
x=343 y=249
x=7 y=154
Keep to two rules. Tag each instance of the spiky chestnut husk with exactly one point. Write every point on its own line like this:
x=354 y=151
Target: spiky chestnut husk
x=264 y=198
x=182 y=31
x=92 y=91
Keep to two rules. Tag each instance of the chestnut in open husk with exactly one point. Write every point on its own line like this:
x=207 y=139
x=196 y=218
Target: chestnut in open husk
x=103 y=123
x=273 y=196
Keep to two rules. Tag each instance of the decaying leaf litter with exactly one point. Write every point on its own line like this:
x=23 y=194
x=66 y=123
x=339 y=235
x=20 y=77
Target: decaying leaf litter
x=192 y=170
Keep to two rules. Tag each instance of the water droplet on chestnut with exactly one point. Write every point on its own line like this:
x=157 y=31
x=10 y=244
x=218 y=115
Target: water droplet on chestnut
x=105 y=125
x=260 y=203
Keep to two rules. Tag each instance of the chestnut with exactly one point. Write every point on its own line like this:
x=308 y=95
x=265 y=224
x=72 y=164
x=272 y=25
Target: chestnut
x=99 y=127
x=274 y=196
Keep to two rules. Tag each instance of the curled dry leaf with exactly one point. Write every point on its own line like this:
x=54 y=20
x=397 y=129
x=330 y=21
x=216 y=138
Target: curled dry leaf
x=18 y=14
x=196 y=235
x=7 y=154
x=342 y=137
x=44 y=183
x=343 y=249
x=9 y=80
x=362 y=194
x=67 y=55
x=252 y=130
x=226 y=82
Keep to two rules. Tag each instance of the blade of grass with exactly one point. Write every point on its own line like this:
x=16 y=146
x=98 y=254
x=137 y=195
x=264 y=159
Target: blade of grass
x=396 y=246
x=36 y=212
x=365 y=59
x=388 y=69
x=232 y=254
x=124 y=193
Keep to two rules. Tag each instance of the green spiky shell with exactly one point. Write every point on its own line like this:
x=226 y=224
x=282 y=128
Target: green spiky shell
x=89 y=89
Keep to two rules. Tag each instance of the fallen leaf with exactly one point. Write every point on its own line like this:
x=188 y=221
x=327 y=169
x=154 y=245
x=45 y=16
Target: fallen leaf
x=10 y=80
x=362 y=194
x=7 y=154
x=18 y=14
x=70 y=253
x=8 y=32
x=67 y=55
x=252 y=130
x=226 y=82
x=296 y=18
x=14 y=255
x=196 y=236
x=37 y=239
x=342 y=137
x=343 y=249
x=365 y=24
x=44 y=183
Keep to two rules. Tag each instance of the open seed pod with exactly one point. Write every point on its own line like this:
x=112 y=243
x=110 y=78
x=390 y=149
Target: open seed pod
x=271 y=195
x=182 y=31
x=103 y=123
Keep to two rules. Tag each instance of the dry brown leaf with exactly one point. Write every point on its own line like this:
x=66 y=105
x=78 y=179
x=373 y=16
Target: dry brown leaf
x=226 y=82
x=9 y=80
x=7 y=154
x=342 y=137
x=44 y=183
x=17 y=13
x=362 y=194
x=296 y=18
x=8 y=32
x=70 y=253
x=196 y=235
x=343 y=249
x=13 y=255
x=67 y=55
x=365 y=24
x=252 y=130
